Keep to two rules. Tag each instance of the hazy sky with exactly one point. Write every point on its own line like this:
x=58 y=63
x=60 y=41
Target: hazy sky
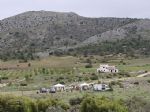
x=89 y=8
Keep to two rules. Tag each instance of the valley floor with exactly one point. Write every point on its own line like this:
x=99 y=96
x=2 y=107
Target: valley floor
x=27 y=78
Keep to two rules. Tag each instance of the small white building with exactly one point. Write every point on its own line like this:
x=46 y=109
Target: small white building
x=107 y=69
x=101 y=87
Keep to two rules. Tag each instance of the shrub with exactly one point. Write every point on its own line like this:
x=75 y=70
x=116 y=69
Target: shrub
x=17 y=104
x=29 y=64
x=111 y=89
x=122 y=73
x=23 y=84
x=24 y=104
x=148 y=81
x=75 y=101
x=88 y=66
x=120 y=85
x=112 y=83
x=94 y=77
x=44 y=104
x=136 y=83
x=61 y=78
x=86 y=78
x=5 y=78
x=88 y=61
x=93 y=74
x=97 y=104
x=137 y=104
x=55 y=109
x=80 y=79
x=108 y=76
x=62 y=82
x=75 y=108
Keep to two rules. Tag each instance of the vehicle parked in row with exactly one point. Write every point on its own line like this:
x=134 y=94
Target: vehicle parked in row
x=52 y=90
x=43 y=90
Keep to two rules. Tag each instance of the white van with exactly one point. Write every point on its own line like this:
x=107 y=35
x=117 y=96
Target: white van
x=101 y=87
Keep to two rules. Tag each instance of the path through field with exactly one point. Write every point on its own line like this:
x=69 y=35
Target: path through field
x=143 y=75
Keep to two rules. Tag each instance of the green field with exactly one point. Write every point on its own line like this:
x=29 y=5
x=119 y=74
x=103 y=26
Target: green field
x=68 y=70
x=142 y=90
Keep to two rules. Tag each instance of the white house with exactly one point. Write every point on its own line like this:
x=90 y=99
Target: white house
x=101 y=87
x=107 y=69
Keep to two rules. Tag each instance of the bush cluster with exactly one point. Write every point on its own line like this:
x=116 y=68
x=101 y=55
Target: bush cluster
x=24 y=104
x=103 y=104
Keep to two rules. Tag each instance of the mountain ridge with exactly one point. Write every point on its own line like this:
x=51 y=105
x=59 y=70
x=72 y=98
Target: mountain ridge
x=40 y=31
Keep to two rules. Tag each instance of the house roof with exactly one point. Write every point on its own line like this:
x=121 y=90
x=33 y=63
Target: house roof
x=111 y=67
x=104 y=65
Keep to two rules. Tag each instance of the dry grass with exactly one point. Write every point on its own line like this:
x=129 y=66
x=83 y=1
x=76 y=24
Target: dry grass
x=21 y=69
x=142 y=90
x=66 y=61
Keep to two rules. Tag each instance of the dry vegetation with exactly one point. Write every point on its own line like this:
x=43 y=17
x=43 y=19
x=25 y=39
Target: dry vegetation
x=24 y=79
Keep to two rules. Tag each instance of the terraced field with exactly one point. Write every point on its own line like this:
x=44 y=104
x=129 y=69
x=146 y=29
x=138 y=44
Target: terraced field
x=32 y=75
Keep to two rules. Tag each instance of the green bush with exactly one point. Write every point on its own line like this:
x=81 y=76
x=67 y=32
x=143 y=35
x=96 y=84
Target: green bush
x=24 y=104
x=94 y=77
x=137 y=104
x=55 y=109
x=75 y=101
x=62 y=82
x=136 y=83
x=123 y=73
x=148 y=81
x=43 y=104
x=17 y=104
x=86 y=78
x=23 y=84
x=4 y=78
x=88 y=66
x=97 y=104
x=112 y=83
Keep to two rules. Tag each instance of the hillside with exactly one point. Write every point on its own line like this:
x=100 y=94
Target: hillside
x=30 y=33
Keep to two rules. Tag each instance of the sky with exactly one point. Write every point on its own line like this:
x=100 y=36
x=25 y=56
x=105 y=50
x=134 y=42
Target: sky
x=87 y=8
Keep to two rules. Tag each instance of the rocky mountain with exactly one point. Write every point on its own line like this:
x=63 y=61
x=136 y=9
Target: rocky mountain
x=138 y=28
x=44 y=31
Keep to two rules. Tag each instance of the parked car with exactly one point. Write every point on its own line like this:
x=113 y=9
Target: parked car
x=101 y=87
x=52 y=90
x=43 y=90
